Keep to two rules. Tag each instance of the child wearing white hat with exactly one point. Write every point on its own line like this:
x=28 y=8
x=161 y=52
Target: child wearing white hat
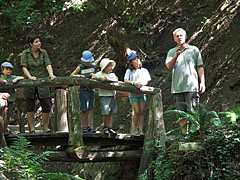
x=107 y=97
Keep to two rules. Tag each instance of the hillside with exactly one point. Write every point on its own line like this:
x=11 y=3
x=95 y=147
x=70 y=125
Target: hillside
x=211 y=25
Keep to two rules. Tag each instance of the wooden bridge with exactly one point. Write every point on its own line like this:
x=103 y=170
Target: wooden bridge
x=95 y=147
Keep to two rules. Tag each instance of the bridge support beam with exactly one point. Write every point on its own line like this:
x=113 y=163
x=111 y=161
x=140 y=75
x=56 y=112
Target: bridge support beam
x=155 y=134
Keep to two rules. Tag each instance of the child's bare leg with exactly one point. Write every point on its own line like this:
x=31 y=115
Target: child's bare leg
x=110 y=120
x=90 y=118
x=45 y=119
x=5 y=118
x=31 y=121
x=84 y=119
x=141 y=116
x=105 y=120
x=135 y=112
x=184 y=126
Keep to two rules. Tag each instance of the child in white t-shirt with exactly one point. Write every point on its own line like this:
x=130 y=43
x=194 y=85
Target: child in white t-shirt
x=137 y=76
x=107 y=97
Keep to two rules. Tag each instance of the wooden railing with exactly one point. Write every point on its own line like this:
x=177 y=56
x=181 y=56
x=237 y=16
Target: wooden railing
x=155 y=130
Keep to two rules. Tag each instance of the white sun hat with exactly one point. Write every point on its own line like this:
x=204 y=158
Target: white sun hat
x=105 y=61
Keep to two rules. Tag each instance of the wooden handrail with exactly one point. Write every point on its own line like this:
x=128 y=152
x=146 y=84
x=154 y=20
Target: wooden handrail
x=70 y=81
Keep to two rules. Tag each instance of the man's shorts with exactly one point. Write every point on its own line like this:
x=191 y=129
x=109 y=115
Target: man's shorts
x=87 y=99
x=187 y=101
x=108 y=105
x=142 y=98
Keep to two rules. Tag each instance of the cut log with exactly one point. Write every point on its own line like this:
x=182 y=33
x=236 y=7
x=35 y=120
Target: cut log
x=190 y=146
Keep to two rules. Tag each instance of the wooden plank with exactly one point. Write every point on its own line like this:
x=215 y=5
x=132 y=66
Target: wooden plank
x=97 y=156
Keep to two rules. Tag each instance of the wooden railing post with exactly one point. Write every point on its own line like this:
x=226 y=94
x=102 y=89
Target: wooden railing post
x=74 y=118
x=159 y=126
x=155 y=133
x=60 y=122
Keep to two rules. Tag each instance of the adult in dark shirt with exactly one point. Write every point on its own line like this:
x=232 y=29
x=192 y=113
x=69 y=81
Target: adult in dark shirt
x=35 y=64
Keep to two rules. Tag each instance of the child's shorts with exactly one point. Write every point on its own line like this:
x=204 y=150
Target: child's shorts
x=108 y=105
x=87 y=99
x=142 y=98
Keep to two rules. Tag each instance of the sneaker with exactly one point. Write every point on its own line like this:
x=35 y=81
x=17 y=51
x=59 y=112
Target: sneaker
x=135 y=133
x=90 y=129
x=141 y=133
x=6 y=133
x=111 y=131
x=84 y=130
x=105 y=131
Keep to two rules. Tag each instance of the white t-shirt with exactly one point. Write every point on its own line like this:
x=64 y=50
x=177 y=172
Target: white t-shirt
x=104 y=92
x=141 y=76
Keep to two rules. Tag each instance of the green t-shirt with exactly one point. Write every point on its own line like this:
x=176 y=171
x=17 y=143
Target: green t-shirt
x=11 y=91
x=36 y=67
x=184 y=74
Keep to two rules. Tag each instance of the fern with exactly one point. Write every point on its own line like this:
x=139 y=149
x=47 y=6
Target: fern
x=199 y=119
x=23 y=164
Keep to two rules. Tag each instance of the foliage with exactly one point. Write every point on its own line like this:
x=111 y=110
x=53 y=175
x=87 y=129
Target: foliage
x=219 y=159
x=21 y=163
x=199 y=119
x=132 y=15
x=20 y=13
x=25 y=14
x=232 y=115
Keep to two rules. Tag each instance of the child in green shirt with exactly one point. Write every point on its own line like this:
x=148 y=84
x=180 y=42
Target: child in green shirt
x=7 y=75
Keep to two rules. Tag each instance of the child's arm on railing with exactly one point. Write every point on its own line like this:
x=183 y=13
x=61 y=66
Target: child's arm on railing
x=15 y=80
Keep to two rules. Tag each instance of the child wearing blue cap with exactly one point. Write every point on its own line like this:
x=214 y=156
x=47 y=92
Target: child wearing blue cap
x=86 y=69
x=7 y=75
x=137 y=76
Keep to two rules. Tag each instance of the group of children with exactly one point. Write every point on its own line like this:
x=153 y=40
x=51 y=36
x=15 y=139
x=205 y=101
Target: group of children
x=135 y=75
x=8 y=95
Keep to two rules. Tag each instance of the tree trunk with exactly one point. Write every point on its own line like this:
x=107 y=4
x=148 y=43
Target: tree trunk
x=60 y=123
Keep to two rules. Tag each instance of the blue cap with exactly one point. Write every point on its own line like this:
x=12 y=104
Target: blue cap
x=131 y=56
x=87 y=56
x=7 y=64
